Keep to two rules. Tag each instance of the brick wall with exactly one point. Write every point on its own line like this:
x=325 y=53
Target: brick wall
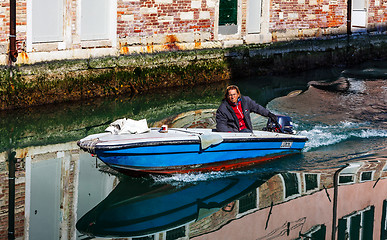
x=21 y=24
x=19 y=199
x=307 y=14
x=377 y=13
x=164 y=20
x=159 y=25
x=4 y=26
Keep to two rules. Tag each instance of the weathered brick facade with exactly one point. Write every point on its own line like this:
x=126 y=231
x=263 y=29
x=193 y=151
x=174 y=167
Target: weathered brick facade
x=19 y=199
x=165 y=22
x=307 y=14
x=377 y=14
x=148 y=18
x=164 y=25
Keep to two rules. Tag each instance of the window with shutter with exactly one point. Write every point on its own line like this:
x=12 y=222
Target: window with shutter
x=47 y=21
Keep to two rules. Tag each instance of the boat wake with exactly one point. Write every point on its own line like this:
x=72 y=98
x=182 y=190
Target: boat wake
x=364 y=102
x=331 y=118
x=180 y=180
x=325 y=135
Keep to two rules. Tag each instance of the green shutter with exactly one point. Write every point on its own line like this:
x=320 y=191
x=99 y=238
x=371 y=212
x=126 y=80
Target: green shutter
x=228 y=12
x=320 y=234
x=383 y=230
x=341 y=229
x=354 y=228
x=291 y=184
x=176 y=233
x=248 y=201
x=368 y=223
x=310 y=181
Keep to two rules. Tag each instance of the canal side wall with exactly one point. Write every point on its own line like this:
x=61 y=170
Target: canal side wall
x=73 y=80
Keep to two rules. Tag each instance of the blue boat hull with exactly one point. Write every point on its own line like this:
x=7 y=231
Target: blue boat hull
x=187 y=157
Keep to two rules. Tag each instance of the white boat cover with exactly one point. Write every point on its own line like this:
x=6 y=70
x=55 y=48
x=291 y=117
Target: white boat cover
x=207 y=140
x=128 y=126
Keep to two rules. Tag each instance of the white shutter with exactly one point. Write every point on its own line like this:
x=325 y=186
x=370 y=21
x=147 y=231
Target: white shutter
x=254 y=16
x=47 y=20
x=359 y=13
x=94 y=19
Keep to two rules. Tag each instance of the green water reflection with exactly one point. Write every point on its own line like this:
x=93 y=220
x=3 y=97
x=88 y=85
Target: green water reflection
x=71 y=121
x=58 y=123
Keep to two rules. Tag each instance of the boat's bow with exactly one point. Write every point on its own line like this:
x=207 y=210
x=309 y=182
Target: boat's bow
x=88 y=144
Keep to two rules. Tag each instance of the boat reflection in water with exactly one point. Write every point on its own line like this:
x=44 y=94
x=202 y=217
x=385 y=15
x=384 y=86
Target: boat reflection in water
x=137 y=208
x=337 y=203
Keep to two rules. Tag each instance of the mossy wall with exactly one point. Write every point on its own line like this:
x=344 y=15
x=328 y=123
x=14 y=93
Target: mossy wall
x=59 y=81
x=72 y=80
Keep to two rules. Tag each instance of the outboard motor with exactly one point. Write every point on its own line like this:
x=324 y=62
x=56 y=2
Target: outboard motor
x=285 y=122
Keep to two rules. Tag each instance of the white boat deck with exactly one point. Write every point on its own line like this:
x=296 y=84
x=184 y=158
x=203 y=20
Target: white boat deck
x=180 y=134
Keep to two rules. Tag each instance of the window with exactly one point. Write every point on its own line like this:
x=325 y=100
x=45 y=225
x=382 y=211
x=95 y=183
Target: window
x=228 y=10
x=346 y=179
x=317 y=232
x=291 y=184
x=359 y=13
x=383 y=229
x=228 y=17
x=47 y=20
x=248 y=202
x=358 y=225
x=176 y=233
x=384 y=171
x=95 y=15
x=254 y=16
x=45 y=211
x=144 y=238
x=366 y=176
x=347 y=175
x=311 y=181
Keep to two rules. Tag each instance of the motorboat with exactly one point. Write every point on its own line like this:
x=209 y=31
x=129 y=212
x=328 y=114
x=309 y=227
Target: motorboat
x=182 y=150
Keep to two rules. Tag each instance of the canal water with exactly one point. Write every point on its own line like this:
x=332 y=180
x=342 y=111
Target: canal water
x=336 y=188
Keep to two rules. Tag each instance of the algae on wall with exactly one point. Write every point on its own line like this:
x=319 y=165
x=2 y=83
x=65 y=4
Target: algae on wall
x=58 y=81
x=73 y=80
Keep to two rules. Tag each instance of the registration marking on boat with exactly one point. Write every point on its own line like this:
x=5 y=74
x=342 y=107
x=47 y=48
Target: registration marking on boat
x=286 y=144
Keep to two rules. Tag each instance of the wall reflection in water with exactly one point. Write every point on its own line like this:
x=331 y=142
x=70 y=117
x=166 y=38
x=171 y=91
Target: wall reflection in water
x=61 y=192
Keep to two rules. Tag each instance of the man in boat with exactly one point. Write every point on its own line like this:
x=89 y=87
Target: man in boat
x=233 y=114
